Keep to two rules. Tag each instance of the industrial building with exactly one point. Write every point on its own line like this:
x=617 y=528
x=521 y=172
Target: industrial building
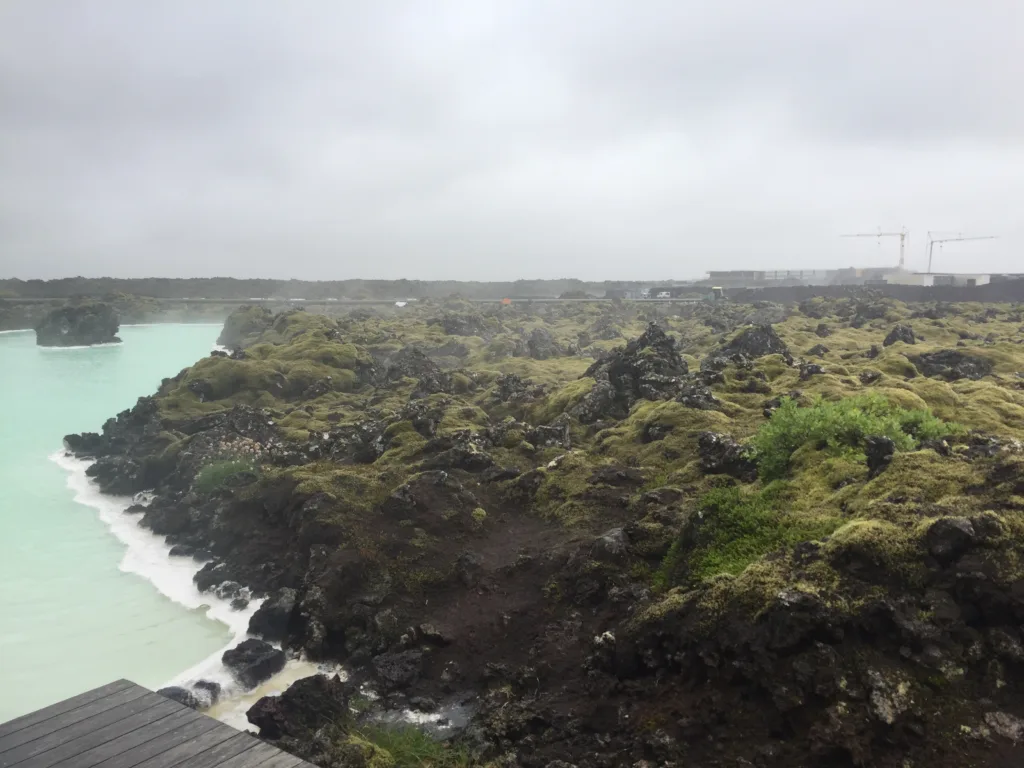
x=850 y=276
x=792 y=277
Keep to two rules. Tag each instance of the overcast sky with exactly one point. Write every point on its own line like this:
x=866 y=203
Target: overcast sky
x=600 y=139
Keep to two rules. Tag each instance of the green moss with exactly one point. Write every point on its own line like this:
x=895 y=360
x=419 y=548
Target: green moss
x=839 y=425
x=735 y=527
x=921 y=477
x=564 y=479
x=461 y=383
x=372 y=755
x=895 y=363
x=883 y=544
x=316 y=348
x=562 y=400
x=219 y=474
x=460 y=415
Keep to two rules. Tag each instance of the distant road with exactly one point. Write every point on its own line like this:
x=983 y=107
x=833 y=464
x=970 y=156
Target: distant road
x=364 y=302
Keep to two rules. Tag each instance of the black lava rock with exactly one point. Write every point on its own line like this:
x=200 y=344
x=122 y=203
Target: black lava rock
x=302 y=709
x=398 y=670
x=900 y=332
x=880 y=450
x=758 y=341
x=949 y=537
x=952 y=365
x=810 y=369
x=253 y=662
x=721 y=455
x=272 y=618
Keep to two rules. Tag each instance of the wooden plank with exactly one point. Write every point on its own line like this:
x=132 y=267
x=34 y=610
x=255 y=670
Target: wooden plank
x=283 y=760
x=61 y=707
x=53 y=748
x=236 y=745
x=184 y=750
x=122 y=725
x=32 y=732
x=115 y=754
x=251 y=758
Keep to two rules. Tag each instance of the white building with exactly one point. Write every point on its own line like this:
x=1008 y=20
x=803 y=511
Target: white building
x=937 y=278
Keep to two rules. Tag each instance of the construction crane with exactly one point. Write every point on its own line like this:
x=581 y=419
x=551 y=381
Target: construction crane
x=932 y=240
x=902 y=235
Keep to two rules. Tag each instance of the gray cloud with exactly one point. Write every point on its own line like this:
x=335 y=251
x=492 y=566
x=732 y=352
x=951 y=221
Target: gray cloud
x=492 y=140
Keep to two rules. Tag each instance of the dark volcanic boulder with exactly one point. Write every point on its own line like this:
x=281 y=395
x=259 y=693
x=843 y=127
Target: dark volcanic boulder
x=85 y=444
x=823 y=331
x=455 y=324
x=511 y=388
x=253 y=662
x=118 y=475
x=879 y=450
x=949 y=537
x=721 y=455
x=951 y=365
x=541 y=345
x=600 y=402
x=818 y=350
x=272 y=618
x=694 y=394
x=76 y=326
x=648 y=368
x=900 y=332
x=869 y=377
x=398 y=670
x=756 y=341
x=302 y=709
x=411 y=362
x=810 y=369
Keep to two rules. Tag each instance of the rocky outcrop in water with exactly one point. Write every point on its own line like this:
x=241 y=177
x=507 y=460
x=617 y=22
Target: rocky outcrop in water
x=253 y=662
x=244 y=325
x=79 y=325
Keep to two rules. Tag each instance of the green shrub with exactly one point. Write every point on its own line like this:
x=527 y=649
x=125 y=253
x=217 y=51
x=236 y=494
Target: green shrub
x=218 y=474
x=842 y=424
x=736 y=528
x=412 y=747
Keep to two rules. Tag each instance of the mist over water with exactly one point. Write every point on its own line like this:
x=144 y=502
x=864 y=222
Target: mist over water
x=78 y=608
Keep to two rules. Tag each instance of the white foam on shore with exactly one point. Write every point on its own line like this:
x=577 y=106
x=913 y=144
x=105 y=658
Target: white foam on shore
x=83 y=346
x=16 y=330
x=148 y=555
x=177 y=322
x=232 y=710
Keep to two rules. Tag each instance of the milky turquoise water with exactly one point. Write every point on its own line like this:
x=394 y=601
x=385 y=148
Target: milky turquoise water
x=78 y=607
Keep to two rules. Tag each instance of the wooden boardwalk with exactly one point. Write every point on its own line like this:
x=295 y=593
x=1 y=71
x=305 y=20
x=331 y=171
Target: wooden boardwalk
x=123 y=725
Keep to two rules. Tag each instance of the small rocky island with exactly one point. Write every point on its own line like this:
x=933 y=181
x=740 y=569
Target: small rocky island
x=608 y=534
x=79 y=325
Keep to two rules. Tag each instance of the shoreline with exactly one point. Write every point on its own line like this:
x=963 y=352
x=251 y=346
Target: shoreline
x=147 y=555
